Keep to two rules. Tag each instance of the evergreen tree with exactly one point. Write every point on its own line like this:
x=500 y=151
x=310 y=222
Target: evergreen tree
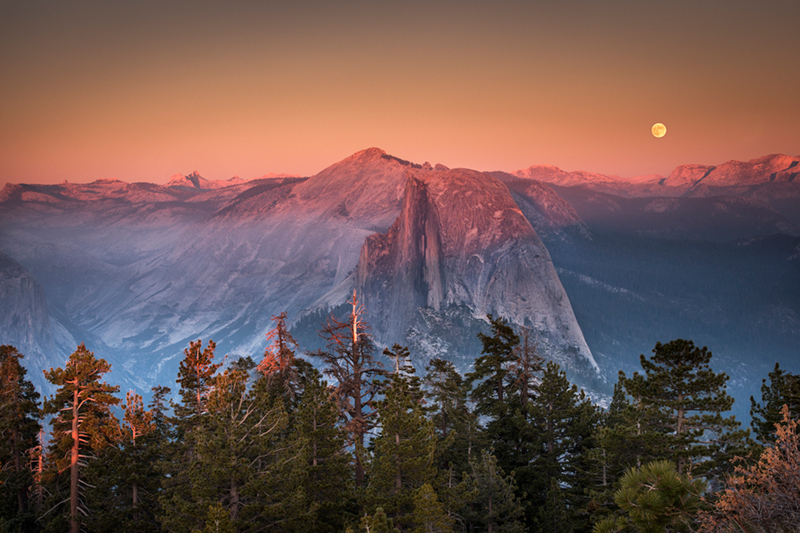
x=526 y=368
x=455 y=426
x=617 y=448
x=762 y=497
x=278 y=364
x=349 y=361
x=82 y=427
x=328 y=480
x=196 y=377
x=124 y=481
x=490 y=375
x=19 y=430
x=783 y=389
x=403 y=451
x=496 y=399
x=566 y=422
x=684 y=400
x=554 y=517
x=429 y=514
x=377 y=523
x=241 y=461
x=656 y=499
x=493 y=506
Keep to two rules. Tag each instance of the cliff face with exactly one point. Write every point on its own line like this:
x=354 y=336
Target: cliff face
x=24 y=320
x=139 y=270
x=461 y=248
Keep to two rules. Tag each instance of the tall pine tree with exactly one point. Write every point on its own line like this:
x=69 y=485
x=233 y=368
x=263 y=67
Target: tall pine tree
x=684 y=400
x=83 y=426
x=783 y=389
x=350 y=362
x=403 y=458
x=19 y=430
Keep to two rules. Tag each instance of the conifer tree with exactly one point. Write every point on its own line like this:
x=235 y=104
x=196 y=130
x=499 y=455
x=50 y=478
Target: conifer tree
x=493 y=505
x=349 y=361
x=617 y=448
x=19 y=430
x=684 y=399
x=762 y=497
x=526 y=368
x=328 y=479
x=553 y=516
x=656 y=498
x=495 y=397
x=456 y=427
x=278 y=364
x=783 y=389
x=241 y=460
x=566 y=422
x=377 y=523
x=125 y=480
x=403 y=451
x=429 y=514
x=83 y=425
x=491 y=370
x=196 y=377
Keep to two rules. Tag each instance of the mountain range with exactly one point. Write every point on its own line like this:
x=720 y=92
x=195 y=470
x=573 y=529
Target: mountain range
x=598 y=267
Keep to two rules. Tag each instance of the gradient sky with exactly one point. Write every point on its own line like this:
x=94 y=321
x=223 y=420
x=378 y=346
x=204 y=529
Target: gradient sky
x=142 y=90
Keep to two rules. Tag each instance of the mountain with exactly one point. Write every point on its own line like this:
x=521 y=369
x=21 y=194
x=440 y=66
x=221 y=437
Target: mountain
x=771 y=178
x=710 y=253
x=139 y=270
x=735 y=199
x=461 y=248
x=25 y=321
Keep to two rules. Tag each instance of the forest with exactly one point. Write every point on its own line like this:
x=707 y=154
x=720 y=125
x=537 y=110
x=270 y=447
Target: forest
x=365 y=445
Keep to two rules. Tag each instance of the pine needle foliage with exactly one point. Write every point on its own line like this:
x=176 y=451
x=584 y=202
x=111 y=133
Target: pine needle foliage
x=19 y=430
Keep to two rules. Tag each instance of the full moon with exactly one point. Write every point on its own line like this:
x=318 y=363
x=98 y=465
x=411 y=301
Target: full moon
x=659 y=130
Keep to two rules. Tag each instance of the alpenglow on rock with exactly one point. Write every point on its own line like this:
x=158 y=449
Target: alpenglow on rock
x=137 y=271
x=461 y=249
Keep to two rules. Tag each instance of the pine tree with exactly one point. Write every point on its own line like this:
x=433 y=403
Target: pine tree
x=84 y=423
x=328 y=479
x=456 y=427
x=241 y=460
x=526 y=368
x=125 y=481
x=403 y=451
x=684 y=399
x=377 y=523
x=617 y=448
x=196 y=377
x=783 y=389
x=491 y=370
x=429 y=514
x=349 y=361
x=553 y=516
x=278 y=364
x=493 y=506
x=656 y=498
x=495 y=397
x=19 y=430
x=566 y=422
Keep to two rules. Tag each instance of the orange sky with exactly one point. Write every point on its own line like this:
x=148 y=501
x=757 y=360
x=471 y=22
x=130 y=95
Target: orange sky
x=140 y=92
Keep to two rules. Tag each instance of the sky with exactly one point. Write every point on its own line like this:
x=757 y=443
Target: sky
x=140 y=91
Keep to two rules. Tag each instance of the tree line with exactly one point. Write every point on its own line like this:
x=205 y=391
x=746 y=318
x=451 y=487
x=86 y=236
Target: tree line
x=363 y=446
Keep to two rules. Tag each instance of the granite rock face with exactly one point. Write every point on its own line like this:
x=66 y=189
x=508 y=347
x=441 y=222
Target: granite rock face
x=461 y=249
x=24 y=320
x=136 y=271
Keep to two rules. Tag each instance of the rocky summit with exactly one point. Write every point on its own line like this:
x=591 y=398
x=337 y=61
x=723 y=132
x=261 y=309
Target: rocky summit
x=137 y=271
